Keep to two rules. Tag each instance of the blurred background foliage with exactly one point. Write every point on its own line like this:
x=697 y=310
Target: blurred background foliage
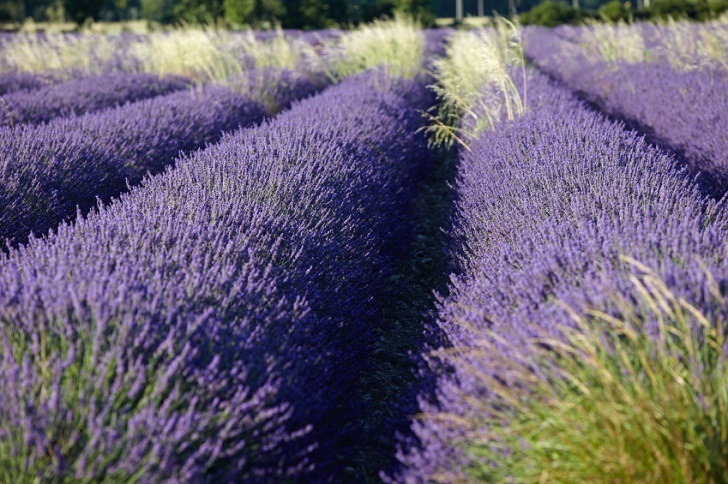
x=318 y=14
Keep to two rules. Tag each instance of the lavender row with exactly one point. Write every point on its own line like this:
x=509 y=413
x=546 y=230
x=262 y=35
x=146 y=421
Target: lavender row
x=79 y=96
x=47 y=171
x=685 y=111
x=546 y=206
x=210 y=324
x=15 y=81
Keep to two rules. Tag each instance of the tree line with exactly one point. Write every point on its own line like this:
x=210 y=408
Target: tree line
x=317 y=14
x=294 y=14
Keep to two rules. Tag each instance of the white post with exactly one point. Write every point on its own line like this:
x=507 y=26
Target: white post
x=480 y=9
x=458 y=10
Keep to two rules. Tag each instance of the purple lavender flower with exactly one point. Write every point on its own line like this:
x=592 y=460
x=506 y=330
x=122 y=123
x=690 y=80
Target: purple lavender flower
x=210 y=324
x=83 y=95
x=684 y=111
x=16 y=81
x=546 y=206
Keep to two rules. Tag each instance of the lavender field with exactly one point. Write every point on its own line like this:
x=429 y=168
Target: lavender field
x=384 y=254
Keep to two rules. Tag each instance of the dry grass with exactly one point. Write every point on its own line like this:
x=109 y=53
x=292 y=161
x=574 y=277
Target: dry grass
x=205 y=55
x=474 y=84
x=30 y=53
x=396 y=45
x=613 y=42
x=612 y=402
x=686 y=46
x=687 y=49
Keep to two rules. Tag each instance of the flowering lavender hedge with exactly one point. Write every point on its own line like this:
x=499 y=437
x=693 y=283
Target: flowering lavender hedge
x=686 y=112
x=47 y=171
x=546 y=206
x=79 y=96
x=209 y=325
x=15 y=81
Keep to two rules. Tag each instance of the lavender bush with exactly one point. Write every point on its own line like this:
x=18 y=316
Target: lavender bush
x=547 y=207
x=48 y=171
x=684 y=111
x=209 y=324
x=83 y=95
x=15 y=81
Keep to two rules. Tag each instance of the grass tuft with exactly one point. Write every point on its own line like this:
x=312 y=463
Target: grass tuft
x=396 y=45
x=474 y=84
x=56 y=52
x=615 y=401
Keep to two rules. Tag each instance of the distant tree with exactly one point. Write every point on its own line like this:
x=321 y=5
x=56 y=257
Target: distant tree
x=12 y=11
x=551 y=14
x=614 y=11
x=80 y=10
x=662 y=9
x=198 y=11
x=371 y=9
x=717 y=7
x=313 y=14
x=420 y=9
x=238 y=12
x=157 y=10
x=116 y=10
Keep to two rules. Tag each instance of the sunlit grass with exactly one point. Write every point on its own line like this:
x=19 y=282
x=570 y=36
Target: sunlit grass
x=616 y=399
x=213 y=55
x=396 y=45
x=56 y=52
x=688 y=49
x=613 y=42
x=205 y=55
x=474 y=84
x=685 y=45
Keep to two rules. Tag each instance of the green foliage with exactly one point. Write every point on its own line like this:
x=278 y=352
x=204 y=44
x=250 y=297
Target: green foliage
x=205 y=12
x=238 y=12
x=551 y=14
x=474 y=86
x=11 y=11
x=420 y=9
x=614 y=11
x=692 y=9
x=313 y=14
x=80 y=10
x=157 y=10
x=295 y=14
x=270 y=10
x=717 y=7
x=613 y=401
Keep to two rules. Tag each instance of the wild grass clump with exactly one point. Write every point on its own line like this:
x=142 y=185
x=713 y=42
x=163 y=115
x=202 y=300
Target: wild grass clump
x=612 y=43
x=689 y=48
x=213 y=55
x=474 y=83
x=206 y=55
x=636 y=394
x=56 y=52
x=686 y=46
x=188 y=52
x=396 y=45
